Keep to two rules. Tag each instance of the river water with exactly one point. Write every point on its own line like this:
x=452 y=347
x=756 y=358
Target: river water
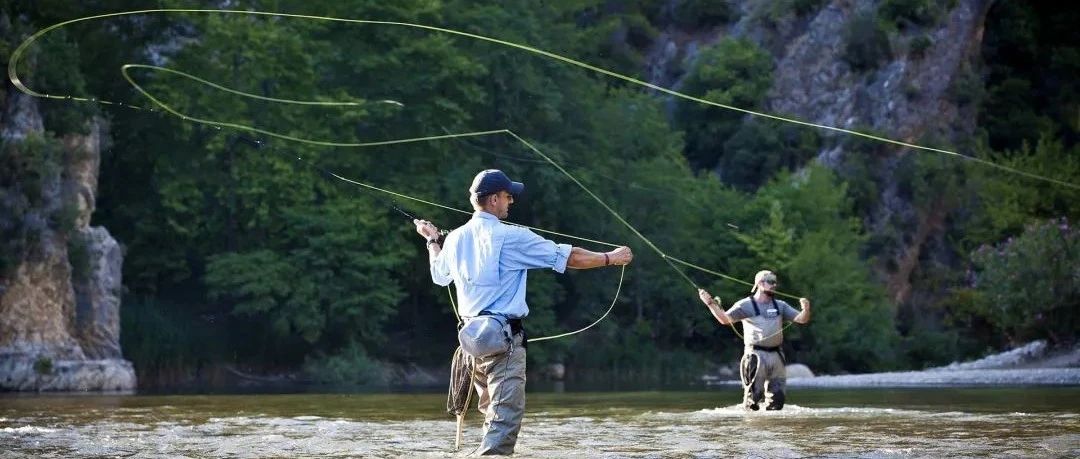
x=874 y=423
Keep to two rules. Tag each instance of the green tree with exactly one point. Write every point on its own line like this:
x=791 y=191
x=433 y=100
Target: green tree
x=239 y=246
x=852 y=326
x=328 y=280
x=1007 y=202
x=774 y=242
x=1032 y=62
x=761 y=148
x=732 y=72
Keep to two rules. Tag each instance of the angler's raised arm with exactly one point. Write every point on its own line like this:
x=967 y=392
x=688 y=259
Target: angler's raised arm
x=440 y=274
x=714 y=307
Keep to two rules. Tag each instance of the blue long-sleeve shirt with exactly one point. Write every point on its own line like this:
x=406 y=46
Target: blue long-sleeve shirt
x=488 y=263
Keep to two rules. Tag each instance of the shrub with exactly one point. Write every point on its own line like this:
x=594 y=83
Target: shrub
x=966 y=88
x=1028 y=284
x=771 y=13
x=911 y=90
x=903 y=13
x=79 y=257
x=159 y=338
x=866 y=44
x=35 y=162
x=919 y=45
x=351 y=365
x=704 y=13
x=65 y=218
x=43 y=366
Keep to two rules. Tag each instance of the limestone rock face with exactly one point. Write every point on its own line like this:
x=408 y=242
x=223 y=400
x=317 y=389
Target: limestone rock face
x=37 y=306
x=60 y=293
x=909 y=97
x=906 y=97
x=97 y=296
x=27 y=373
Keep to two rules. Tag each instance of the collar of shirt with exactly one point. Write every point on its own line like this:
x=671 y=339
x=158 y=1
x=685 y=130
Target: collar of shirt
x=483 y=214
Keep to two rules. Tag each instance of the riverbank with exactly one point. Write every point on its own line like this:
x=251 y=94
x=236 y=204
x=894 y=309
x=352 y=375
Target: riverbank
x=1031 y=364
x=1034 y=364
x=1017 y=377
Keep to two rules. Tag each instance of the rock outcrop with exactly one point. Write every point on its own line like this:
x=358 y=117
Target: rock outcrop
x=60 y=291
x=909 y=97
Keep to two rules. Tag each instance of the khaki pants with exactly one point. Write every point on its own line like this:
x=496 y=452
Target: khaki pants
x=763 y=378
x=500 y=383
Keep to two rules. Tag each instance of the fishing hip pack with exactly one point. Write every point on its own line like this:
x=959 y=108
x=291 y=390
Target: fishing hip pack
x=485 y=335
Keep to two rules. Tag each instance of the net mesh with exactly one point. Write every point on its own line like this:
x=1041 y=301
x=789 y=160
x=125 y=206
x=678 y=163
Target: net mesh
x=457 y=397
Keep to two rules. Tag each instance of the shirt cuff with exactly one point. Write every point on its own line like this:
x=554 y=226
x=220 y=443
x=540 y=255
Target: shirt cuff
x=562 y=255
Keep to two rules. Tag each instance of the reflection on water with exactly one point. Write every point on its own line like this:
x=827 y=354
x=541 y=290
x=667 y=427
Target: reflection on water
x=1015 y=422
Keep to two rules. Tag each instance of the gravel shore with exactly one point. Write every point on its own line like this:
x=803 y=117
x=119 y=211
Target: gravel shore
x=1032 y=364
x=1020 y=377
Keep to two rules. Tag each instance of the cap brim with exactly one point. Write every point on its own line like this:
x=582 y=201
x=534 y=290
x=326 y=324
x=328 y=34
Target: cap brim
x=516 y=188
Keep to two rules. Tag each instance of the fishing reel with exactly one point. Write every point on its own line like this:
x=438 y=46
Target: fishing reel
x=442 y=237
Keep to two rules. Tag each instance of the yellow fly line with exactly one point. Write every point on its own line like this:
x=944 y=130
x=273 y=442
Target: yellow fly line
x=159 y=104
x=17 y=54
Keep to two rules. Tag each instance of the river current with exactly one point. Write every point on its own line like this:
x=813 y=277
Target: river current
x=870 y=423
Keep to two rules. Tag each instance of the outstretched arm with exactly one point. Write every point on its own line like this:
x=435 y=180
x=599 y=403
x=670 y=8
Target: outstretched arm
x=804 y=315
x=586 y=259
x=714 y=307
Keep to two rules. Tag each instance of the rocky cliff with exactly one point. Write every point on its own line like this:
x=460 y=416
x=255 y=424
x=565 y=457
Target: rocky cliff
x=909 y=96
x=60 y=290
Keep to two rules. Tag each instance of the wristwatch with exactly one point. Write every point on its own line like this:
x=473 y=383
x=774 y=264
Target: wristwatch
x=432 y=241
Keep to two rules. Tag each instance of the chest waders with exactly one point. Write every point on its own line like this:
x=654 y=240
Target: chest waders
x=751 y=364
x=480 y=337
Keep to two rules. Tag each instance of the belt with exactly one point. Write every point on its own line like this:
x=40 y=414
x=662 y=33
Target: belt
x=516 y=328
x=767 y=348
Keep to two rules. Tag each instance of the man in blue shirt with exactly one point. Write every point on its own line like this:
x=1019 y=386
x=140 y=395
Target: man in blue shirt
x=488 y=263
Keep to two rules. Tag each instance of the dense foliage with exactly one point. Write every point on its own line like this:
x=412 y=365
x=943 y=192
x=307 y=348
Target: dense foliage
x=238 y=253
x=1027 y=284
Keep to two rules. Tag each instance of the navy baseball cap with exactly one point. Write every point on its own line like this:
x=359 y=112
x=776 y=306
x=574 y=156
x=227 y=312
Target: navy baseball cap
x=492 y=181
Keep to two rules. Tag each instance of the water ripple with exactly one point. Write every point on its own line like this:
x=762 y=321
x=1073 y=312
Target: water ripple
x=369 y=426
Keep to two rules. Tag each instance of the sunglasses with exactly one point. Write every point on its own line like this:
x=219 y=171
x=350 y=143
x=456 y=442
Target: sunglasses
x=770 y=281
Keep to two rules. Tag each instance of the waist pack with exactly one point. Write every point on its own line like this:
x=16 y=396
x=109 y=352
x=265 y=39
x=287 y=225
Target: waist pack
x=485 y=335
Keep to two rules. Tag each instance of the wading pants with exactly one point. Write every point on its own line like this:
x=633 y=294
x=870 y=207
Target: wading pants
x=763 y=378
x=500 y=383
